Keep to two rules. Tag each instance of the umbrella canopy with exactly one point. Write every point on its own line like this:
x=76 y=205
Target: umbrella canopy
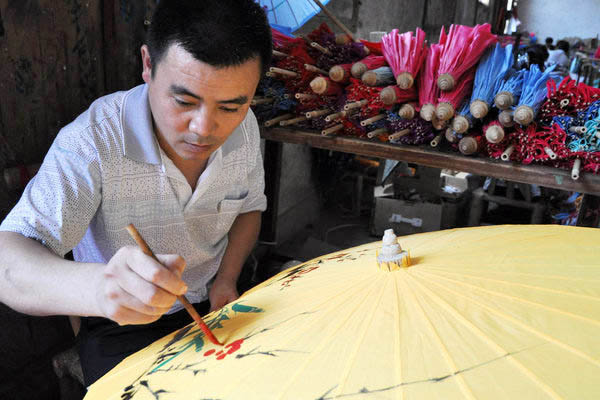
x=508 y=312
x=289 y=15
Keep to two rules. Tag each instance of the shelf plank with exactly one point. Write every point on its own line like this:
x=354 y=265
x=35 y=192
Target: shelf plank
x=424 y=155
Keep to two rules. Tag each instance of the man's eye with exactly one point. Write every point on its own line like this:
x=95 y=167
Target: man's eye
x=229 y=110
x=182 y=103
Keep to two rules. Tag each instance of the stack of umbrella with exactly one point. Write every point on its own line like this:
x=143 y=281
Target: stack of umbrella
x=462 y=90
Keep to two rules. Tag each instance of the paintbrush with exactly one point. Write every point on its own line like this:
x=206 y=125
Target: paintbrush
x=190 y=309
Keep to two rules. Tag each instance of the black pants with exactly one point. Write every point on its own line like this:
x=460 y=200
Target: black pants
x=103 y=343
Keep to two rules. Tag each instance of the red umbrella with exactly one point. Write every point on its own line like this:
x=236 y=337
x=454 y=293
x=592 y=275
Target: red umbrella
x=428 y=90
x=405 y=54
x=450 y=101
x=463 y=48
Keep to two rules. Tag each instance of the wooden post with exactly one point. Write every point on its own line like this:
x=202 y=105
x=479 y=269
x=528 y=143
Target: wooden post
x=335 y=20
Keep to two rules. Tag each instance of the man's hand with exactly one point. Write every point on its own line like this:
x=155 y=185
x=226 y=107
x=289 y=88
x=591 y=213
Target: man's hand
x=222 y=291
x=134 y=289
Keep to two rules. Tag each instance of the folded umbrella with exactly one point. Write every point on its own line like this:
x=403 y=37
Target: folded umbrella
x=405 y=54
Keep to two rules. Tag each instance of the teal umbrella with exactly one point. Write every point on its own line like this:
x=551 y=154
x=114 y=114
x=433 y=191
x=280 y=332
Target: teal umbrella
x=289 y=15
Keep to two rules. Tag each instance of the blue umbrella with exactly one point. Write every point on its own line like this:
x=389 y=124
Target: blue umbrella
x=492 y=68
x=289 y=15
x=508 y=91
x=533 y=93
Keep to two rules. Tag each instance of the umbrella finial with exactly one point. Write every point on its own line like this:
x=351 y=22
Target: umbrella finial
x=391 y=257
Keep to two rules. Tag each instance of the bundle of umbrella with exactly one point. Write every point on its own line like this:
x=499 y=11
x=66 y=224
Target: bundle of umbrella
x=462 y=90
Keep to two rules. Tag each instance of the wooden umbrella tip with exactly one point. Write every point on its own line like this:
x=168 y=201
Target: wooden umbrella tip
x=405 y=80
x=503 y=100
x=524 y=115
x=450 y=135
x=467 y=145
x=479 y=109
x=388 y=96
x=494 y=134
x=358 y=69
x=427 y=112
x=446 y=82
x=342 y=38
x=369 y=78
x=319 y=85
x=506 y=118
x=336 y=73
x=460 y=124
x=444 y=111
x=406 y=111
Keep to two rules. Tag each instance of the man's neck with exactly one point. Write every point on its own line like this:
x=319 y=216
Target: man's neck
x=191 y=169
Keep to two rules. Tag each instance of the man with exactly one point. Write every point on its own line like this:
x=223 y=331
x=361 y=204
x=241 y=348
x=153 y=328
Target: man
x=179 y=158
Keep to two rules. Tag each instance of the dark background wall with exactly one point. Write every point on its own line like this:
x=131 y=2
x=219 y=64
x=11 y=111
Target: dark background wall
x=56 y=57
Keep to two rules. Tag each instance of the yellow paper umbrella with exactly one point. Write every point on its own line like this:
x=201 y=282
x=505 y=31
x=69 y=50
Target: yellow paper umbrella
x=503 y=312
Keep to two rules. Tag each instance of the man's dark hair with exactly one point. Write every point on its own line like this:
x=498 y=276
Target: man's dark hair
x=563 y=45
x=549 y=40
x=220 y=33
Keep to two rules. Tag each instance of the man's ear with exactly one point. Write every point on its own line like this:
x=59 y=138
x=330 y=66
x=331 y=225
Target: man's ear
x=146 y=64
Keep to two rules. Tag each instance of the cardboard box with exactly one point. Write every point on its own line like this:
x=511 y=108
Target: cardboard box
x=406 y=217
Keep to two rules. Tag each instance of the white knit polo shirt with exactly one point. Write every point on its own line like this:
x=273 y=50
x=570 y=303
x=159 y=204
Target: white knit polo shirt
x=106 y=170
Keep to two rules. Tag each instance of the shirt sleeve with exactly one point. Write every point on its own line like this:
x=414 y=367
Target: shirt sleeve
x=62 y=198
x=256 y=199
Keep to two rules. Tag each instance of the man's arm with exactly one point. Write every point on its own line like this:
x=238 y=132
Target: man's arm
x=131 y=289
x=242 y=238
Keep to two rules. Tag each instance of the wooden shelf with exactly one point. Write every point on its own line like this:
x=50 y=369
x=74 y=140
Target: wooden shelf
x=424 y=155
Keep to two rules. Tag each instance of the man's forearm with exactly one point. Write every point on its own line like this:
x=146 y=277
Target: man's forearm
x=35 y=281
x=242 y=238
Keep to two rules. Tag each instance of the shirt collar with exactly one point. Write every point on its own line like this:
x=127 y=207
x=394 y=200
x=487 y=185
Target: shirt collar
x=139 y=141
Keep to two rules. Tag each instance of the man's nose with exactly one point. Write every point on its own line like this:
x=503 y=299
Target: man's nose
x=203 y=122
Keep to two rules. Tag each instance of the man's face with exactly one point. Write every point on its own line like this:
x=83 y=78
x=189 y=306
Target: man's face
x=196 y=106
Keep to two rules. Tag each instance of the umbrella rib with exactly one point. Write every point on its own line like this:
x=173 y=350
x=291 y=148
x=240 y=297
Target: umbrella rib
x=397 y=337
x=292 y=11
x=521 y=324
x=338 y=298
x=517 y=299
x=558 y=277
x=540 y=288
x=460 y=379
x=499 y=349
x=273 y=11
x=365 y=330
x=324 y=341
